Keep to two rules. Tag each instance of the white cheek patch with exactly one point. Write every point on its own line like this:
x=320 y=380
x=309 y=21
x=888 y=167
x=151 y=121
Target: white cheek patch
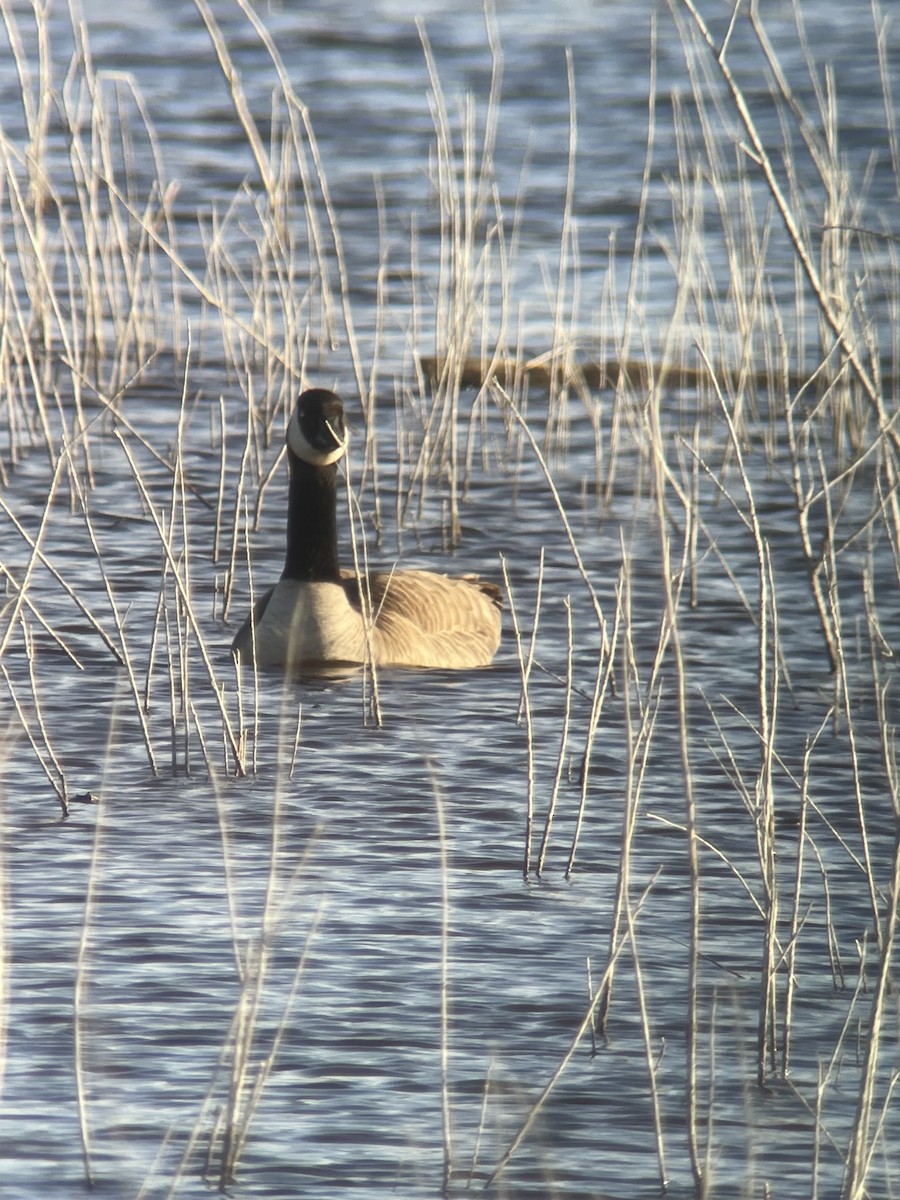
x=309 y=453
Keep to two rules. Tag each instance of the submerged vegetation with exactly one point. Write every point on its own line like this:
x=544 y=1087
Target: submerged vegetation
x=712 y=441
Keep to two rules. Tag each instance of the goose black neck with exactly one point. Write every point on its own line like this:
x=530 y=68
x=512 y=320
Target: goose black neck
x=312 y=546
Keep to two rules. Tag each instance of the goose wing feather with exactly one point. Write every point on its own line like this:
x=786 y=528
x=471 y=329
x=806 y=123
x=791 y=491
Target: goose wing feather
x=242 y=645
x=424 y=619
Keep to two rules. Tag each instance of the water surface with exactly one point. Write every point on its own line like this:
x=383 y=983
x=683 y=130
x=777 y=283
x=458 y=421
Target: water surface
x=140 y=911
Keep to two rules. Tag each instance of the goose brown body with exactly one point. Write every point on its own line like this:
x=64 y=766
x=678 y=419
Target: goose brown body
x=320 y=615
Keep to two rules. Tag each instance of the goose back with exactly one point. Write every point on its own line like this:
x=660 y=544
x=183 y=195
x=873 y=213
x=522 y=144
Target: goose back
x=418 y=619
x=424 y=619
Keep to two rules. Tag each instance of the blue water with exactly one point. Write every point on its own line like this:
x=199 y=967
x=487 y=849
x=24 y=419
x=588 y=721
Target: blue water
x=133 y=921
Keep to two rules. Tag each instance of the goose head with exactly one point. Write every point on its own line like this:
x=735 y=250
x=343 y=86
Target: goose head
x=316 y=432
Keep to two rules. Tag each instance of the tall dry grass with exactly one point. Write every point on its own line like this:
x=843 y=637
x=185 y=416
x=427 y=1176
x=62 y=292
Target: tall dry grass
x=747 y=383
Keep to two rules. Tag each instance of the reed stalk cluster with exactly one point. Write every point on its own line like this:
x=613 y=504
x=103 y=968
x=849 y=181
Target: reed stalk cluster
x=742 y=459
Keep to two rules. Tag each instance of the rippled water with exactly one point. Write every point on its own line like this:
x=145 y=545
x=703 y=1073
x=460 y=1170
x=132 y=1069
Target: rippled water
x=139 y=912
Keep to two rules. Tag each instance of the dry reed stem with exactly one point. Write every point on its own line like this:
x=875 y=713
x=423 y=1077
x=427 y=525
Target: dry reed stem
x=763 y=799
x=603 y=682
x=466 y=194
x=244 y=1095
x=97 y=260
x=803 y=501
x=791 y=952
x=647 y=1035
x=39 y=742
x=10 y=583
x=705 y=844
x=482 y=1121
x=246 y=1072
x=529 y=722
x=240 y=511
x=673 y=638
x=845 y=705
x=585 y=1026
x=637 y=757
x=202 y=290
x=82 y=974
x=446 y=1106
x=564 y=330
x=6 y=925
x=35 y=557
x=863 y=1143
x=371 y=698
x=532 y=640
x=296 y=108
x=123 y=654
x=508 y=406
x=253 y=732
x=833 y=317
x=563 y=743
x=182 y=590
x=638 y=747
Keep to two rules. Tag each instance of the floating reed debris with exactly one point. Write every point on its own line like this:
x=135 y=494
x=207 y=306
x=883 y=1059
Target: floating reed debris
x=545 y=375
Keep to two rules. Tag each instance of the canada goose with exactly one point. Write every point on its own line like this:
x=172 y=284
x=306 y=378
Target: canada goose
x=314 y=614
